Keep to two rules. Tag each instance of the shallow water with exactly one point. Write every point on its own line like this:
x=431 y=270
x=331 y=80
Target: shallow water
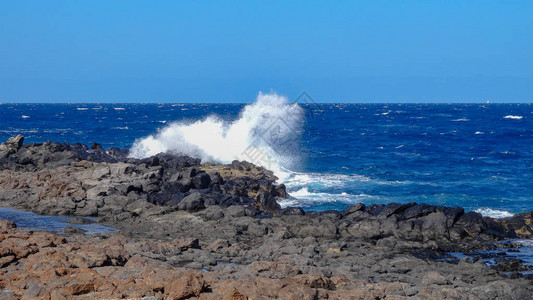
x=524 y=253
x=32 y=221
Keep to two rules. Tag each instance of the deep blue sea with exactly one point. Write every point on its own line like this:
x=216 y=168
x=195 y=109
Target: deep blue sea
x=478 y=156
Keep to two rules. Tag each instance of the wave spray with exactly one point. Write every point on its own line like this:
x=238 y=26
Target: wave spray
x=266 y=133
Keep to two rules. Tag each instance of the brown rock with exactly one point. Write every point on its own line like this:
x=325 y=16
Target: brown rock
x=187 y=285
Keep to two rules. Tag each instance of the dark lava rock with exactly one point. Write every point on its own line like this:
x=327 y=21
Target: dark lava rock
x=201 y=181
x=96 y=146
x=191 y=203
x=418 y=210
x=452 y=214
x=472 y=222
x=292 y=211
x=354 y=208
x=267 y=203
x=216 y=178
x=374 y=209
x=395 y=208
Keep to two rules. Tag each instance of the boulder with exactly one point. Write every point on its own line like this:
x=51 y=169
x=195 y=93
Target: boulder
x=11 y=146
x=472 y=223
x=434 y=226
x=267 y=202
x=418 y=210
x=191 y=203
x=201 y=181
x=292 y=211
x=15 y=142
x=354 y=208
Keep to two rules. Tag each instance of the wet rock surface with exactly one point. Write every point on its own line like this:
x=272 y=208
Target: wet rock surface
x=187 y=229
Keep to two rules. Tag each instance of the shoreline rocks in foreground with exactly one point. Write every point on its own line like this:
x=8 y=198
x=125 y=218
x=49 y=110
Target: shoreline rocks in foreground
x=220 y=231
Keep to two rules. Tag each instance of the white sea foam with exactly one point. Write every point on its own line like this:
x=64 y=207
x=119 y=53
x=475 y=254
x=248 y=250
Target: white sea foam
x=493 y=213
x=479 y=132
x=217 y=140
x=263 y=134
x=461 y=120
x=304 y=197
x=82 y=108
x=119 y=108
x=513 y=117
x=25 y=117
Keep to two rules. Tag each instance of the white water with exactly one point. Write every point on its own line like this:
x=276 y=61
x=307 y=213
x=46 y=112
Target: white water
x=513 y=117
x=260 y=135
x=493 y=213
x=265 y=133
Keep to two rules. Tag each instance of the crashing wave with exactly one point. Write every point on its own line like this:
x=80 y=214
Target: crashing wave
x=266 y=133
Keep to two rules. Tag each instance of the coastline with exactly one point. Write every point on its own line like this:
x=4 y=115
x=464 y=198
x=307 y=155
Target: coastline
x=219 y=232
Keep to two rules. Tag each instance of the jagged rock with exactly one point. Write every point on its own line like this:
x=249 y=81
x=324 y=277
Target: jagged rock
x=292 y=211
x=267 y=202
x=354 y=208
x=14 y=142
x=96 y=146
x=201 y=181
x=191 y=203
x=173 y=219
x=11 y=146
x=94 y=181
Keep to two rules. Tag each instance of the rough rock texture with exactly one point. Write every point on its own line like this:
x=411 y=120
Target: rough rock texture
x=53 y=178
x=192 y=230
x=45 y=265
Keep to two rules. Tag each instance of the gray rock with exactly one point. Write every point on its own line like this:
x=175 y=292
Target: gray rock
x=73 y=230
x=434 y=226
x=192 y=203
x=257 y=229
x=292 y=211
x=418 y=210
x=354 y=208
x=267 y=202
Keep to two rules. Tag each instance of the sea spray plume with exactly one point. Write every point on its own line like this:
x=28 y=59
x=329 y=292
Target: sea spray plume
x=270 y=126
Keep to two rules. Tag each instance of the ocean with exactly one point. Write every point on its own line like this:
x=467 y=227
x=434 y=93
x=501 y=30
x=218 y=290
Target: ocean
x=329 y=156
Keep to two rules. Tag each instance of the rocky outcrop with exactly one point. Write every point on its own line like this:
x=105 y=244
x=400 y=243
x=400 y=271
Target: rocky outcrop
x=187 y=229
x=44 y=265
x=63 y=179
x=12 y=145
x=53 y=178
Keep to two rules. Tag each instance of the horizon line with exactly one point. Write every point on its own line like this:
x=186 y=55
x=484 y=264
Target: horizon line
x=317 y=102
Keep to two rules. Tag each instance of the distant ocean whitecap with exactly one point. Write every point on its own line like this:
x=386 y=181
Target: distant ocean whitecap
x=513 y=117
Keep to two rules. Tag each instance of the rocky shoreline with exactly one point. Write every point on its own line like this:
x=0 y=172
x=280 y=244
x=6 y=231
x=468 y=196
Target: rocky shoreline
x=190 y=229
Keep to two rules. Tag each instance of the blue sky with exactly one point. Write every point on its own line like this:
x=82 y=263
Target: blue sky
x=228 y=51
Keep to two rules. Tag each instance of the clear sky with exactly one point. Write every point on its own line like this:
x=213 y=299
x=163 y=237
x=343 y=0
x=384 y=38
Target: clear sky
x=228 y=51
